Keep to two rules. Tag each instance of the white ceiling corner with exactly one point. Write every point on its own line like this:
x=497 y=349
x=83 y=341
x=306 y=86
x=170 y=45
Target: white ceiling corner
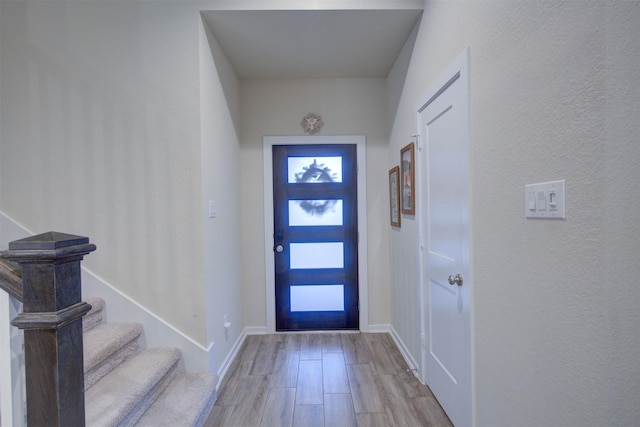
x=312 y=43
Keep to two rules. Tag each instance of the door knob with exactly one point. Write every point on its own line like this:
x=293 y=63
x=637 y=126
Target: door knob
x=457 y=279
x=279 y=248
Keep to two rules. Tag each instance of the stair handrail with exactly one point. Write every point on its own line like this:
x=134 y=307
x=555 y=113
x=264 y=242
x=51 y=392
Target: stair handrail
x=51 y=317
x=11 y=278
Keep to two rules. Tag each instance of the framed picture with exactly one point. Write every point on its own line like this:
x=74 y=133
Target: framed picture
x=394 y=195
x=407 y=169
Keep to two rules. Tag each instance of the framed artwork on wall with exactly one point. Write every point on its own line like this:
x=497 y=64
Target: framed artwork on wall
x=394 y=196
x=407 y=169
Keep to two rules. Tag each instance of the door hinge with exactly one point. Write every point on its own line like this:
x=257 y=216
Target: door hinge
x=424 y=341
x=417 y=138
x=421 y=242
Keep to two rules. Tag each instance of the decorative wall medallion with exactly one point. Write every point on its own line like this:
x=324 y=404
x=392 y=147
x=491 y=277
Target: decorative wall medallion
x=311 y=123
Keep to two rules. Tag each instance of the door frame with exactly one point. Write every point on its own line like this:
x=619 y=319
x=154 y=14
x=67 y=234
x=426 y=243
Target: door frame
x=270 y=287
x=459 y=69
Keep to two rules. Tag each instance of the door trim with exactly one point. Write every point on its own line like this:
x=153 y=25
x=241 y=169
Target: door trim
x=270 y=288
x=459 y=69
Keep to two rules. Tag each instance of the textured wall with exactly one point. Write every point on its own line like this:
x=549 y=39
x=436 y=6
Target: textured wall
x=552 y=97
x=101 y=137
x=220 y=183
x=622 y=211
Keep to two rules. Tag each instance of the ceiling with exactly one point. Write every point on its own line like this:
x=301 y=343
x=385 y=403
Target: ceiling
x=312 y=43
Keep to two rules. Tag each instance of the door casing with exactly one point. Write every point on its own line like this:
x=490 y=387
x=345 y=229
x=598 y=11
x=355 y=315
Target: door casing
x=267 y=144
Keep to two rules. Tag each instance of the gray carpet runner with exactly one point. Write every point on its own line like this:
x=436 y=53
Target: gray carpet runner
x=129 y=386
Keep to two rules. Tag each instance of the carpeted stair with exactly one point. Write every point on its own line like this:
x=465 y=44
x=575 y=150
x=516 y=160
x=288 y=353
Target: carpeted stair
x=126 y=385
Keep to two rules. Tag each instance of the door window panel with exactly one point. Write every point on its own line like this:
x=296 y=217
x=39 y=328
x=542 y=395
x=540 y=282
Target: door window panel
x=317 y=298
x=316 y=255
x=312 y=170
x=315 y=212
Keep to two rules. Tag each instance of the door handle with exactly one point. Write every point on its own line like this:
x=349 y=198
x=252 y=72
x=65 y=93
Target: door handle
x=455 y=280
x=278 y=248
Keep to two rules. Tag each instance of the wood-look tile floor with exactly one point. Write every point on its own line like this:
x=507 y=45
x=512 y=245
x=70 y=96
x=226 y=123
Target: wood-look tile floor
x=323 y=379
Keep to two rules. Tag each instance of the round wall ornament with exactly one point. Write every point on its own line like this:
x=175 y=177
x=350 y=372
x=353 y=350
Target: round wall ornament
x=311 y=123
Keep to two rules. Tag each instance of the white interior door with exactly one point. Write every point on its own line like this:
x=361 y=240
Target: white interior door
x=444 y=134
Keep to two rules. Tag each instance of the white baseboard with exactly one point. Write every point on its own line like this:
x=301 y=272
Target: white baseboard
x=11 y=230
x=157 y=333
x=249 y=330
x=255 y=330
x=380 y=328
x=406 y=354
x=226 y=363
x=415 y=368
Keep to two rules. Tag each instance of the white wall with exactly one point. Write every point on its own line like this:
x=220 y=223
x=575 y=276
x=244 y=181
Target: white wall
x=101 y=137
x=119 y=122
x=348 y=107
x=219 y=116
x=403 y=240
x=553 y=96
x=622 y=210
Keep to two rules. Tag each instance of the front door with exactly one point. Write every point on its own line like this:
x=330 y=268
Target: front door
x=444 y=134
x=315 y=239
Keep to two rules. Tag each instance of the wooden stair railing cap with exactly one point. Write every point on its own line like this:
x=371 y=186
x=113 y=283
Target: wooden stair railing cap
x=48 y=246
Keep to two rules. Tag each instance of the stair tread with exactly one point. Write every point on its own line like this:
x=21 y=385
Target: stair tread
x=104 y=340
x=112 y=399
x=186 y=401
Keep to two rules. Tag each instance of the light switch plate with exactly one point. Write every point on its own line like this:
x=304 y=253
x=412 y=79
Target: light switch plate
x=545 y=200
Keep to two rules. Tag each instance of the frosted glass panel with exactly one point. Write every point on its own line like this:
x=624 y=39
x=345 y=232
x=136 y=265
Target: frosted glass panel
x=317 y=255
x=314 y=169
x=315 y=212
x=317 y=298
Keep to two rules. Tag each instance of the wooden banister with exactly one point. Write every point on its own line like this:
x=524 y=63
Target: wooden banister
x=52 y=323
x=11 y=278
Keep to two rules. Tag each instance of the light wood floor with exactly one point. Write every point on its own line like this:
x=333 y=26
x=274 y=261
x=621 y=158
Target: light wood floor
x=323 y=379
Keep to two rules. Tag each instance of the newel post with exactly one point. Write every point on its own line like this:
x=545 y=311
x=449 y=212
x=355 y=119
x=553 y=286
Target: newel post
x=52 y=322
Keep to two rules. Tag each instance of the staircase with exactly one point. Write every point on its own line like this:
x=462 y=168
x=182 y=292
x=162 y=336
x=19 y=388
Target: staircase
x=127 y=385
x=122 y=384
